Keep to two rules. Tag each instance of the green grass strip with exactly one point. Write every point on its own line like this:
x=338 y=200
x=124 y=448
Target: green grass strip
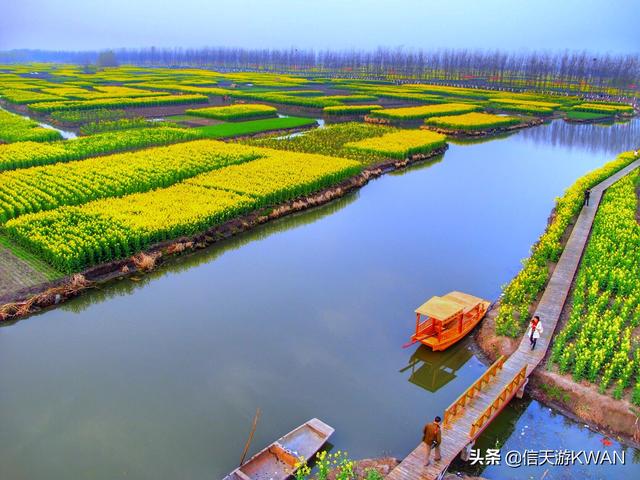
x=237 y=129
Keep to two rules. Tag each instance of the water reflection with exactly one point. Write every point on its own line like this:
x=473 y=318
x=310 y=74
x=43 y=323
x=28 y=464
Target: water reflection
x=479 y=140
x=596 y=138
x=433 y=370
x=128 y=286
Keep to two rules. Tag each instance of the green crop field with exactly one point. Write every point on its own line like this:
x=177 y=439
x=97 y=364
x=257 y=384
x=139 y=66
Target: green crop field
x=238 y=129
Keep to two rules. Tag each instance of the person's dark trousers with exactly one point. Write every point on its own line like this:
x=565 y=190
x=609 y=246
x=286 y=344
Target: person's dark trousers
x=533 y=343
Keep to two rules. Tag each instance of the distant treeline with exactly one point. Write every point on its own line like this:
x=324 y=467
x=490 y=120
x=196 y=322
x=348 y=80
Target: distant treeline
x=541 y=69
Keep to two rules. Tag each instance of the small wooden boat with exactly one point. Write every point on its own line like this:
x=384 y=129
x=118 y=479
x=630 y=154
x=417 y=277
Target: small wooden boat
x=278 y=461
x=447 y=319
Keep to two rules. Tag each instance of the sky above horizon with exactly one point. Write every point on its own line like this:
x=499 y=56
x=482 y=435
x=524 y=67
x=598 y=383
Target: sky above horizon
x=513 y=25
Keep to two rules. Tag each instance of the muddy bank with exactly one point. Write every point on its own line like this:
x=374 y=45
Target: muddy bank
x=24 y=302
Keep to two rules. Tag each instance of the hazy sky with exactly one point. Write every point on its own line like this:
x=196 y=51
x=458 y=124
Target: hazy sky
x=599 y=26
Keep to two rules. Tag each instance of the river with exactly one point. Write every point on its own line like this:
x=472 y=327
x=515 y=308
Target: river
x=303 y=317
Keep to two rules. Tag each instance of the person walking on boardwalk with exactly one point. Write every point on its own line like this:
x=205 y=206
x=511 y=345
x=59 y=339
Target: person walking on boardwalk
x=535 y=330
x=432 y=437
x=587 y=194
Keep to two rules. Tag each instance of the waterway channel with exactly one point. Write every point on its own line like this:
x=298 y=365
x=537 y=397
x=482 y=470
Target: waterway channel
x=159 y=377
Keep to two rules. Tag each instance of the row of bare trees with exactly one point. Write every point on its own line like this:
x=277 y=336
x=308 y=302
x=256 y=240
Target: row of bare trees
x=541 y=70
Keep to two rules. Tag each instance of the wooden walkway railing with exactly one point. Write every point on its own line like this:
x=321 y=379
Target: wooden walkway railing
x=475 y=388
x=476 y=408
x=506 y=394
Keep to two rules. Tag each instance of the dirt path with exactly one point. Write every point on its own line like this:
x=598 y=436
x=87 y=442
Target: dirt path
x=16 y=273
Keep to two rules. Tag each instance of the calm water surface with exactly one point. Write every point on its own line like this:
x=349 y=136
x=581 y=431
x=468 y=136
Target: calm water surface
x=303 y=317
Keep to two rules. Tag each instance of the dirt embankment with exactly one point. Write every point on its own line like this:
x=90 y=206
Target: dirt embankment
x=21 y=303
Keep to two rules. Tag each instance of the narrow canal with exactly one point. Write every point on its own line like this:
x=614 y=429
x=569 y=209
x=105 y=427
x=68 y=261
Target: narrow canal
x=160 y=377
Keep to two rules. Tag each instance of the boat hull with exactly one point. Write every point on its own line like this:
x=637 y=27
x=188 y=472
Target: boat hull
x=279 y=460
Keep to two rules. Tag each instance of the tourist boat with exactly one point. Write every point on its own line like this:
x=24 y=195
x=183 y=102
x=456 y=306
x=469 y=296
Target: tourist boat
x=447 y=319
x=279 y=460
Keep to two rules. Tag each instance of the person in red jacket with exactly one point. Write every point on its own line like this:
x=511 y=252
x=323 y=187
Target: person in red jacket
x=432 y=437
x=535 y=330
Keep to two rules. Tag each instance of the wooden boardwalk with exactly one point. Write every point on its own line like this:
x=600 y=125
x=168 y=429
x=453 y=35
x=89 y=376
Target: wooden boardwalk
x=487 y=402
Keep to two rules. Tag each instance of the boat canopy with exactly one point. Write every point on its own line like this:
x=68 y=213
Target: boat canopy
x=439 y=308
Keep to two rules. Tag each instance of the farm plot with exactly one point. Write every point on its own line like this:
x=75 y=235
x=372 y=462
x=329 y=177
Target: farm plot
x=29 y=154
x=597 y=342
x=47 y=107
x=604 y=108
x=251 y=127
x=349 y=109
x=14 y=128
x=72 y=238
x=424 y=111
x=45 y=188
x=400 y=145
x=240 y=111
x=472 y=122
x=280 y=175
x=331 y=140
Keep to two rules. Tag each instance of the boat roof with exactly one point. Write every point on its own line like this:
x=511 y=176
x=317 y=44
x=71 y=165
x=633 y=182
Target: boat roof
x=442 y=308
x=439 y=308
x=463 y=298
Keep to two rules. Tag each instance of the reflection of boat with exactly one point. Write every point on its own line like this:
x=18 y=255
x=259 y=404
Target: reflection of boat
x=278 y=461
x=448 y=319
x=431 y=370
